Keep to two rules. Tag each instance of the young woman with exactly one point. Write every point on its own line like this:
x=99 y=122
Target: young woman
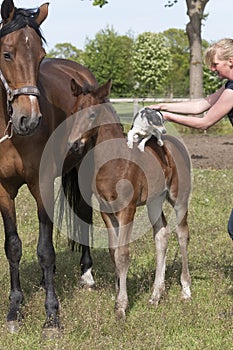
x=219 y=58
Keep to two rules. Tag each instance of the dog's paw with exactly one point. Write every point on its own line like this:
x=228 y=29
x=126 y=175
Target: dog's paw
x=130 y=144
x=160 y=142
x=141 y=146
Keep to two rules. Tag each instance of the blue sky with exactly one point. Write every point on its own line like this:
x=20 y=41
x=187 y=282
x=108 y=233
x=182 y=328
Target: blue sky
x=74 y=20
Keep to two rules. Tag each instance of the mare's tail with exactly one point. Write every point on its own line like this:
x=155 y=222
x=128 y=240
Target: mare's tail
x=72 y=208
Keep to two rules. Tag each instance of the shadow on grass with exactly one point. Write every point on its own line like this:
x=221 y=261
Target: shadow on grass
x=67 y=276
x=140 y=279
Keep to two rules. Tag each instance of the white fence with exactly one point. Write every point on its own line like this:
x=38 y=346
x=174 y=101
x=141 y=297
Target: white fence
x=137 y=101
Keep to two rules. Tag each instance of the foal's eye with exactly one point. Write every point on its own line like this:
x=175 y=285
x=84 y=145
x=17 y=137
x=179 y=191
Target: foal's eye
x=7 y=56
x=92 y=116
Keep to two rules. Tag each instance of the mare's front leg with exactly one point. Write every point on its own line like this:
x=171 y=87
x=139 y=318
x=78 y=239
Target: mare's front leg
x=45 y=250
x=13 y=250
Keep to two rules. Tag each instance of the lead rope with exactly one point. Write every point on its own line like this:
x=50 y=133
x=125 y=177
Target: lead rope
x=6 y=134
x=9 y=98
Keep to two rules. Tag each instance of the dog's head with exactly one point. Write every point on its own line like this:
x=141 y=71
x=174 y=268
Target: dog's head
x=154 y=118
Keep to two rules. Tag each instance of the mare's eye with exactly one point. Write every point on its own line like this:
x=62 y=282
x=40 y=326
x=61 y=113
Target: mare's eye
x=7 y=56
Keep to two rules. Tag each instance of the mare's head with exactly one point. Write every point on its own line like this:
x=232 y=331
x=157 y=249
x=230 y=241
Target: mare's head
x=21 y=52
x=89 y=101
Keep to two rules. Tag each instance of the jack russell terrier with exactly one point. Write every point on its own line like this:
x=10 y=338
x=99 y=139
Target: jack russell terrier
x=146 y=123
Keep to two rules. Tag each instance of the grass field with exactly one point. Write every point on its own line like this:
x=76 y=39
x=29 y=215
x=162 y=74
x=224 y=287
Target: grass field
x=88 y=317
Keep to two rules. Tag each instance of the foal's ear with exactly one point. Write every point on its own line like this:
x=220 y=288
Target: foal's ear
x=75 y=88
x=43 y=13
x=104 y=90
x=7 y=10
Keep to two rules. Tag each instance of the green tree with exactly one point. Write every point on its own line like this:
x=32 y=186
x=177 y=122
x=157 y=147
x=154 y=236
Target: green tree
x=100 y=3
x=178 y=80
x=211 y=81
x=108 y=55
x=151 y=63
x=195 y=11
x=66 y=50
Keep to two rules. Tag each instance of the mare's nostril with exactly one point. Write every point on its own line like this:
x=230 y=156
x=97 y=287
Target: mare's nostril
x=23 y=123
x=27 y=125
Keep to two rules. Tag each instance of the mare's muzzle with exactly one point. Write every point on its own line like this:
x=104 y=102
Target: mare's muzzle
x=24 y=123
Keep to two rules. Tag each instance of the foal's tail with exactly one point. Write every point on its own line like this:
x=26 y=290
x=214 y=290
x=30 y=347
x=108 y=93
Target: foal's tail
x=71 y=208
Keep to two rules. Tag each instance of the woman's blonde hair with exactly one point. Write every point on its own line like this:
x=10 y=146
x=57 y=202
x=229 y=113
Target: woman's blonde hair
x=223 y=48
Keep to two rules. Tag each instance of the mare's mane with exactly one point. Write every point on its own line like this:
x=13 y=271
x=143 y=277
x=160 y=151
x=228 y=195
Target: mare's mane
x=22 y=18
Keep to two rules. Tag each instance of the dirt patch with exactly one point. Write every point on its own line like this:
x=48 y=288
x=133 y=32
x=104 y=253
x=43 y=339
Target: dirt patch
x=208 y=151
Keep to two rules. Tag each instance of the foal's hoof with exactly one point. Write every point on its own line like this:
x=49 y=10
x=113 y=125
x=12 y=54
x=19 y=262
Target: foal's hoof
x=120 y=314
x=13 y=326
x=186 y=294
x=154 y=302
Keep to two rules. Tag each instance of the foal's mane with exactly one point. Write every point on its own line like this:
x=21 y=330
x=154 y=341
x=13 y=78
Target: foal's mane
x=22 y=18
x=87 y=88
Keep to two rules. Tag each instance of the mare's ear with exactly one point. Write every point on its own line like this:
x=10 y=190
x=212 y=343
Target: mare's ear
x=44 y=9
x=75 y=88
x=7 y=10
x=104 y=90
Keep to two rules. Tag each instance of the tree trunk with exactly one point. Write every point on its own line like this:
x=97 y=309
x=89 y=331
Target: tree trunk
x=195 y=12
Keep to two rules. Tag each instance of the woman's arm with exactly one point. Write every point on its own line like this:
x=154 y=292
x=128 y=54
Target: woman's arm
x=191 y=107
x=219 y=109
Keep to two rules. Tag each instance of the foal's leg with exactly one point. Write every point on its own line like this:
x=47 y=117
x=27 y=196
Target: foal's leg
x=119 y=250
x=46 y=252
x=13 y=250
x=161 y=236
x=182 y=231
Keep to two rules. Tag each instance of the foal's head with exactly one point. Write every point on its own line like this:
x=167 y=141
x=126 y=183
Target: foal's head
x=21 y=52
x=86 y=107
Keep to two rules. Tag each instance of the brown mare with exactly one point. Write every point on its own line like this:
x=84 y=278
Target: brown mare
x=35 y=99
x=124 y=179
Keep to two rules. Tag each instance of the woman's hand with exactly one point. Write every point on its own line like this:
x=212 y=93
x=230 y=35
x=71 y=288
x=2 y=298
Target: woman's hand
x=159 y=106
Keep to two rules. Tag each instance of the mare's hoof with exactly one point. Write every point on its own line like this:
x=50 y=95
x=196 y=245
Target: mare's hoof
x=51 y=333
x=13 y=326
x=87 y=280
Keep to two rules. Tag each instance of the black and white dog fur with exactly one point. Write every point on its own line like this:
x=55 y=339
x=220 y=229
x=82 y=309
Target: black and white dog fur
x=147 y=122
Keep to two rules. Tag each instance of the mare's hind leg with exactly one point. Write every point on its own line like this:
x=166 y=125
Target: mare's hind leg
x=80 y=214
x=182 y=231
x=13 y=250
x=84 y=218
x=87 y=279
x=161 y=236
